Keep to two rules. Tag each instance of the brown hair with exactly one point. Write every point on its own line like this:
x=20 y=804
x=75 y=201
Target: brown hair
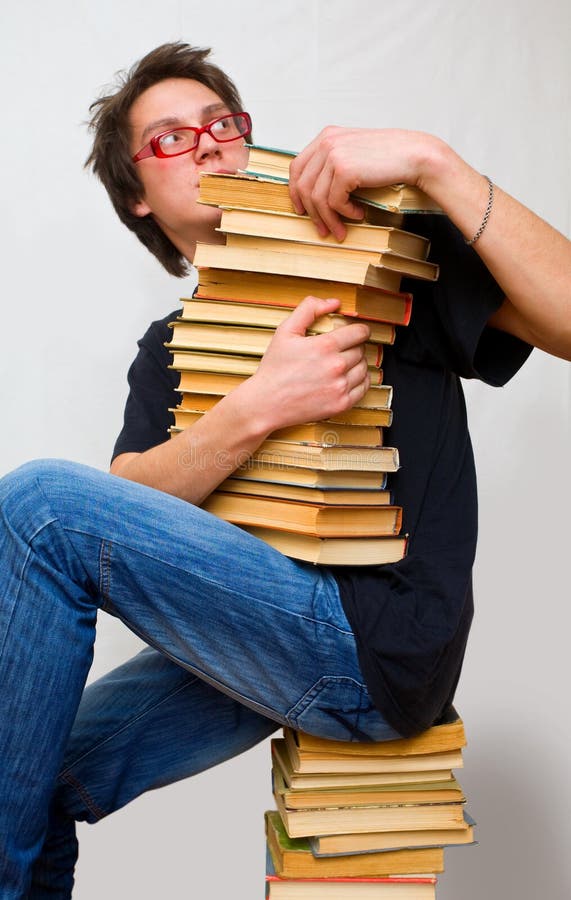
x=110 y=157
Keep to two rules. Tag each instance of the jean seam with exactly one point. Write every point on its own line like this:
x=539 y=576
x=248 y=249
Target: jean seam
x=315 y=690
x=84 y=794
x=105 y=573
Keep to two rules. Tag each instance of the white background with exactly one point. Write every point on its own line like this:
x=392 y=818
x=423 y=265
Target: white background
x=494 y=80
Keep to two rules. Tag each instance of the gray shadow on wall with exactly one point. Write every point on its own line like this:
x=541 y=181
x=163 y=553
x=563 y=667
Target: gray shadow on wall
x=522 y=850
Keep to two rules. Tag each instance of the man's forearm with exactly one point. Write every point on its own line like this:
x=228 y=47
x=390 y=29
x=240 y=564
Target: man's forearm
x=529 y=259
x=195 y=461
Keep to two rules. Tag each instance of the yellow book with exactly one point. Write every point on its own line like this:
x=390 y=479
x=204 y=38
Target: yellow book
x=359 y=236
x=319 y=520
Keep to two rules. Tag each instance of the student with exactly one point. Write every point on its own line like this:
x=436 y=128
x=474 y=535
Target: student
x=242 y=639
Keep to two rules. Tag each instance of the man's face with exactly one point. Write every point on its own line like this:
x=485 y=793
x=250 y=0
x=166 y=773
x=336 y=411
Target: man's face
x=171 y=185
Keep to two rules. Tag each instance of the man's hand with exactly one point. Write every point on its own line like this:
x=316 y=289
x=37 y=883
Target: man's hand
x=339 y=160
x=305 y=378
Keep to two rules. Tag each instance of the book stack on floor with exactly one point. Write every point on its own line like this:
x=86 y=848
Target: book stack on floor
x=315 y=491
x=359 y=820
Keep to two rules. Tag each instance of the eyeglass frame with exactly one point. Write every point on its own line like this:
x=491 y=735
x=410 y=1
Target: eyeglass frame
x=153 y=148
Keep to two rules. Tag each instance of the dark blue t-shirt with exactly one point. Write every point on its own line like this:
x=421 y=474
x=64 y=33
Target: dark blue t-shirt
x=411 y=619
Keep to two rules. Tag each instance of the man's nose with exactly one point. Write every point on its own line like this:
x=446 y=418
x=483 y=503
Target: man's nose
x=206 y=146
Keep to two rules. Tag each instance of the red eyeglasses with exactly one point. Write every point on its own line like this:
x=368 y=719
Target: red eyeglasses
x=182 y=140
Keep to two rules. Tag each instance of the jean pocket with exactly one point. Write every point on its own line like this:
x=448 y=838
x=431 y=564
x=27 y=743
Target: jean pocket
x=340 y=709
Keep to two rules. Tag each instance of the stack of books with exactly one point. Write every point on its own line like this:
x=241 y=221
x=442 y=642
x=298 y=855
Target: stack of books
x=357 y=820
x=315 y=491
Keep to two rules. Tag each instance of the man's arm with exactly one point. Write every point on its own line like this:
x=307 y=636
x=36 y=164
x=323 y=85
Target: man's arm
x=300 y=379
x=529 y=259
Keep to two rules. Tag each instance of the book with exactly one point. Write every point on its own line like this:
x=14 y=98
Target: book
x=378 y=397
x=352 y=551
x=196 y=401
x=449 y=735
x=382 y=817
x=324 y=433
x=389 y=888
x=337 y=255
x=328 y=433
x=355 y=780
x=253 y=286
x=256 y=192
x=385 y=841
x=306 y=494
x=359 y=236
x=218 y=384
x=199 y=309
x=235 y=363
x=319 y=520
x=241 y=339
x=261 y=470
x=380 y=417
x=319 y=456
x=446 y=791
x=292 y=858
x=335 y=268
x=222 y=363
x=274 y=163
x=323 y=763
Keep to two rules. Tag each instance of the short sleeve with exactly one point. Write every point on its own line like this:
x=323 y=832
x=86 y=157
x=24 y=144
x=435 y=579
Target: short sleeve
x=152 y=391
x=448 y=326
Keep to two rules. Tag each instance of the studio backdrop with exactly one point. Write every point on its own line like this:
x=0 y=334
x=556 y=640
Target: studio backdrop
x=493 y=80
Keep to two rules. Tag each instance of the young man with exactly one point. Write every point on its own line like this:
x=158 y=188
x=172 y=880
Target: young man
x=242 y=639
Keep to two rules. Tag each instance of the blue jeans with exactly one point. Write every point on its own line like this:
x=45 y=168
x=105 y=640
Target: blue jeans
x=241 y=640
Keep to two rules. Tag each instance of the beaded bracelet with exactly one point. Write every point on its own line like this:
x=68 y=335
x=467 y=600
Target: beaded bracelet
x=487 y=212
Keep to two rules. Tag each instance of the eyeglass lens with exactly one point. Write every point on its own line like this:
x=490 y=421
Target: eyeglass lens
x=227 y=128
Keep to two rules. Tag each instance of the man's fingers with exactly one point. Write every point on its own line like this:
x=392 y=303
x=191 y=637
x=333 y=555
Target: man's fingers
x=351 y=335
x=305 y=314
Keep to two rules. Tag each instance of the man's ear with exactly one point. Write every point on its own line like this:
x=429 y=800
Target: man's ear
x=140 y=208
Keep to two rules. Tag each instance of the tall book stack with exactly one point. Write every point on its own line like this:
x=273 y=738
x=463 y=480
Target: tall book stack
x=360 y=820
x=315 y=491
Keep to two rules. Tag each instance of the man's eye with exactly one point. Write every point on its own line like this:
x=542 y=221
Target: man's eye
x=173 y=137
x=222 y=125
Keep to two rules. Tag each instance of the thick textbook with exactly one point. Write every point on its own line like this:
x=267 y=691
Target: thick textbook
x=359 y=236
x=383 y=841
x=390 y=888
x=307 y=494
x=322 y=456
x=320 y=520
x=356 y=271
x=337 y=255
x=273 y=289
x=350 y=551
x=261 y=470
